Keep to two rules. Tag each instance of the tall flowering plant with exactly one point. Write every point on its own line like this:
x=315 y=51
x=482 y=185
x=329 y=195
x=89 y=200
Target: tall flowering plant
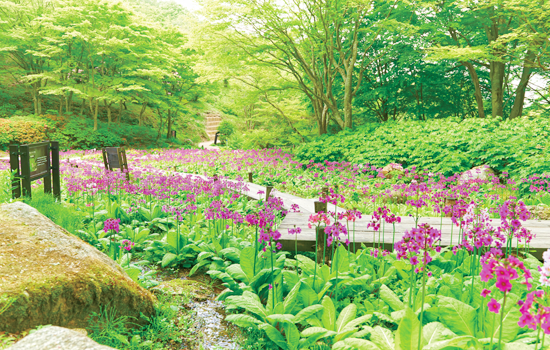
x=112 y=226
x=416 y=246
x=317 y=220
x=511 y=214
x=503 y=271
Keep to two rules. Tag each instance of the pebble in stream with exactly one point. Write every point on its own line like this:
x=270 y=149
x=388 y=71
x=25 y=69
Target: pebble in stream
x=210 y=324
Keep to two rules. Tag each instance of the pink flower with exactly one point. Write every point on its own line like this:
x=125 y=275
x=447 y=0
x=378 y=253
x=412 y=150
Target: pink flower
x=494 y=306
x=485 y=292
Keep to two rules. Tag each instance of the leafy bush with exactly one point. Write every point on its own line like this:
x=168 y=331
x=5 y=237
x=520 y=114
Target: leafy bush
x=448 y=145
x=21 y=130
x=226 y=129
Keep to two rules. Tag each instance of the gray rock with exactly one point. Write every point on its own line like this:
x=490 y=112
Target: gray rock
x=57 y=338
x=48 y=276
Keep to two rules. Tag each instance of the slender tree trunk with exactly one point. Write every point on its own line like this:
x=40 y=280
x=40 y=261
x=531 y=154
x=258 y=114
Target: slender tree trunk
x=82 y=106
x=348 y=98
x=119 y=119
x=108 y=107
x=517 y=108
x=60 y=105
x=96 y=110
x=169 y=124
x=497 y=88
x=143 y=108
x=477 y=87
x=160 y=124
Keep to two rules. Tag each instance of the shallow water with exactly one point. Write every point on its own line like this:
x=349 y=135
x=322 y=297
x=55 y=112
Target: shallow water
x=214 y=332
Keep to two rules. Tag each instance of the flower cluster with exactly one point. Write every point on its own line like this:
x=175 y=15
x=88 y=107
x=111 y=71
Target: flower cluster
x=478 y=231
x=511 y=214
x=504 y=270
x=535 y=312
x=545 y=269
x=334 y=231
x=127 y=245
x=318 y=219
x=418 y=242
x=111 y=224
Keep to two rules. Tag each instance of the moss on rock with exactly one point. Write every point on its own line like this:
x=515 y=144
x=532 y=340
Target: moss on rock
x=56 y=278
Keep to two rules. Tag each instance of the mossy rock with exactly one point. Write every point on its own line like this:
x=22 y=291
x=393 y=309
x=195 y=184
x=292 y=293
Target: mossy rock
x=193 y=289
x=48 y=276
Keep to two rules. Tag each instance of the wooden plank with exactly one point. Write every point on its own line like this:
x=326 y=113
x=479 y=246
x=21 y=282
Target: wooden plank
x=306 y=239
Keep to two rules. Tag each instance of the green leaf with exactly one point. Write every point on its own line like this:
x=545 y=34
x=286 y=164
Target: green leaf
x=434 y=332
x=347 y=314
x=237 y=273
x=292 y=335
x=290 y=300
x=274 y=335
x=167 y=259
x=391 y=298
x=249 y=303
x=456 y=315
x=307 y=312
x=329 y=313
x=358 y=344
x=247 y=262
x=407 y=333
x=315 y=330
x=242 y=320
x=383 y=338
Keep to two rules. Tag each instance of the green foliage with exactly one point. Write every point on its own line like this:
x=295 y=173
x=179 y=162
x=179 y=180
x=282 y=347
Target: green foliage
x=446 y=145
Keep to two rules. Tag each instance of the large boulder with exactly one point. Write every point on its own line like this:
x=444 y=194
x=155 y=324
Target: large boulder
x=57 y=338
x=482 y=172
x=48 y=276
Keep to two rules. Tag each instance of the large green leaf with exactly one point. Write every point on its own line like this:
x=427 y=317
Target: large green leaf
x=249 y=303
x=247 y=262
x=167 y=259
x=290 y=300
x=274 y=335
x=329 y=314
x=456 y=315
x=242 y=320
x=383 y=338
x=237 y=273
x=292 y=335
x=355 y=343
x=391 y=298
x=307 y=312
x=434 y=332
x=346 y=315
x=406 y=337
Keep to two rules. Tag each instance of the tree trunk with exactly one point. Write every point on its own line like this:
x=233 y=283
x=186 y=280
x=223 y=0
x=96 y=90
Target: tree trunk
x=108 y=107
x=160 y=124
x=60 y=105
x=82 y=106
x=169 y=132
x=477 y=87
x=95 y=114
x=517 y=108
x=143 y=108
x=69 y=102
x=119 y=113
x=497 y=91
x=348 y=98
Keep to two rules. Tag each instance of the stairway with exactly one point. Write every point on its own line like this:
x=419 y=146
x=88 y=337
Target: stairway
x=213 y=121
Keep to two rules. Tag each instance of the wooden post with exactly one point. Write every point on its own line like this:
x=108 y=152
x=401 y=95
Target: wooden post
x=324 y=191
x=25 y=170
x=268 y=190
x=48 y=177
x=15 y=173
x=54 y=146
x=104 y=152
x=250 y=177
x=321 y=237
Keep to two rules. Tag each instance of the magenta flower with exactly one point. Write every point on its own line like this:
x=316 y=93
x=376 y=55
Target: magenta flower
x=494 y=306
x=111 y=224
x=485 y=292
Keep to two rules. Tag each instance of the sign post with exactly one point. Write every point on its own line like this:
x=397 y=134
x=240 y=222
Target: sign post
x=33 y=162
x=115 y=158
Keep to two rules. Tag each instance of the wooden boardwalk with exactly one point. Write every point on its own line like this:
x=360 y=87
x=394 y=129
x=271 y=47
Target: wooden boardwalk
x=306 y=239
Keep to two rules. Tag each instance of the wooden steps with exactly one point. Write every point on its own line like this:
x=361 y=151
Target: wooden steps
x=213 y=121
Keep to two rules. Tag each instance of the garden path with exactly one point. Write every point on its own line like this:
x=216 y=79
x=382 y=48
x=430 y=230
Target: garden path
x=306 y=239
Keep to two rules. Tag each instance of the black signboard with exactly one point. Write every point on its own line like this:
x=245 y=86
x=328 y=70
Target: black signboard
x=39 y=160
x=32 y=162
x=115 y=158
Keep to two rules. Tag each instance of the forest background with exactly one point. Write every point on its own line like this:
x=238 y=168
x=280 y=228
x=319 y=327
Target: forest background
x=281 y=73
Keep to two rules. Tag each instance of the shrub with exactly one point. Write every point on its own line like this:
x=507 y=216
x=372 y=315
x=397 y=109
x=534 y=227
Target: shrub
x=449 y=146
x=226 y=129
x=21 y=130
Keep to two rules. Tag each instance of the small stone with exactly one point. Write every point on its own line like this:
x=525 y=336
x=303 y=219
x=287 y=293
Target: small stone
x=57 y=338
